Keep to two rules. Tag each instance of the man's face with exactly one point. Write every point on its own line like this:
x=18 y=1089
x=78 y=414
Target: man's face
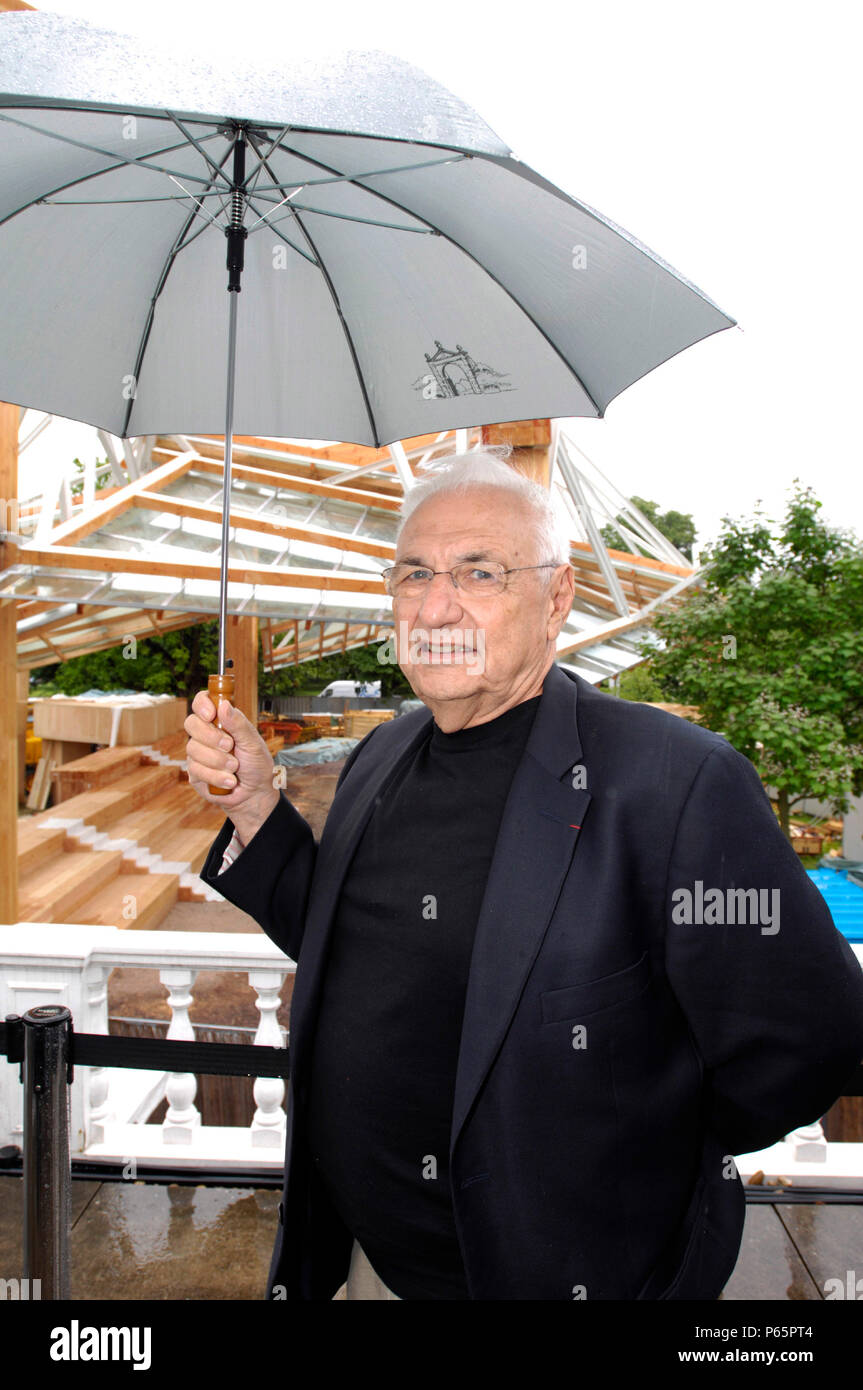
x=512 y=632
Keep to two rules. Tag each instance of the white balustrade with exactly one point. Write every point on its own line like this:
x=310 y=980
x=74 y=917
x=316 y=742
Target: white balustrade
x=97 y=1104
x=47 y=963
x=809 y=1143
x=183 y=1115
x=268 y=1125
x=69 y=964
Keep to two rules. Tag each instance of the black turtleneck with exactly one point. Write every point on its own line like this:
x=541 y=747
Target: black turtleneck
x=387 y=1040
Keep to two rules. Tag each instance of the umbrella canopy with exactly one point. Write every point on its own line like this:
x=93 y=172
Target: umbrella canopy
x=403 y=273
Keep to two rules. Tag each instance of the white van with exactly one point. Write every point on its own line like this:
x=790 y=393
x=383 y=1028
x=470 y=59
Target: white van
x=367 y=690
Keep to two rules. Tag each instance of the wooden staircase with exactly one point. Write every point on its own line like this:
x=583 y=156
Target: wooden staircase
x=123 y=843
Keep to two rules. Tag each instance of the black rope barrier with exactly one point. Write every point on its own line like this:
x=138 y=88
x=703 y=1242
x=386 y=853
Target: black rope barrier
x=157 y=1054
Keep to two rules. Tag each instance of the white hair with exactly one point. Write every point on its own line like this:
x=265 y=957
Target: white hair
x=458 y=473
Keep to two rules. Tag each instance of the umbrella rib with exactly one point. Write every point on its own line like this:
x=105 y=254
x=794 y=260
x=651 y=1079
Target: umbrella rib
x=347 y=332
x=394 y=202
x=348 y=217
x=95 y=174
x=299 y=250
x=370 y=173
x=214 y=168
x=121 y=202
x=186 y=244
x=255 y=173
x=166 y=268
x=335 y=298
x=109 y=154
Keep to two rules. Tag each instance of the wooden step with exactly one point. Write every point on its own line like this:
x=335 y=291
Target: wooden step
x=53 y=892
x=206 y=817
x=103 y=808
x=150 y=896
x=147 y=782
x=192 y=846
x=156 y=823
x=94 y=771
x=36 y=845
x=172 y=745
x=99 y=809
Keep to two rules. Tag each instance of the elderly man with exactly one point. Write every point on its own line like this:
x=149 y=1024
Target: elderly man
x=556 y=961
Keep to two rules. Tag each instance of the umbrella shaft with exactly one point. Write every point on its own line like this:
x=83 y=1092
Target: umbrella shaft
x=226 y=484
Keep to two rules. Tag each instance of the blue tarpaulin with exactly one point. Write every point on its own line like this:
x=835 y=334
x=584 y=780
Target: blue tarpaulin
x=844 y=898
x=321 y=750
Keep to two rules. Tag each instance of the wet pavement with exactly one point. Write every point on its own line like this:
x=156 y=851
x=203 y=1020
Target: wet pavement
x=147 y=1241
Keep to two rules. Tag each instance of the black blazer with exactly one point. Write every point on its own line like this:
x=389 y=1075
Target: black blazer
x=613 y=1057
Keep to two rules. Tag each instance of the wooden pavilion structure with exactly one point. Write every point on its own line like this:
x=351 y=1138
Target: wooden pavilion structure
x=312 y=527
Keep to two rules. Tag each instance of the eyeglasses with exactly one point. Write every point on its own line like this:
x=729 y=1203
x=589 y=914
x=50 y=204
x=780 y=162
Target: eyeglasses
x=409 y=581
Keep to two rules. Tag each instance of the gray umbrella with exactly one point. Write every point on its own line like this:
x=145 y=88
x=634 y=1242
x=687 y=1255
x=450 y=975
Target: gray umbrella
x=401 y=272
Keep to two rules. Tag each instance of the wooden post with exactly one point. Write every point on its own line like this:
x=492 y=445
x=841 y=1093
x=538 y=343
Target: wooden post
x=531 y=440
x=9 y=419
x=22 y=680
x=241 y=645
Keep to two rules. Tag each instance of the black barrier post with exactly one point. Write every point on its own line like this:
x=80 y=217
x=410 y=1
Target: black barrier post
x=47 y=1164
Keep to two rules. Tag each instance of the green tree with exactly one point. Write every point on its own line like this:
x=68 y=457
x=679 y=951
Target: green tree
x=176 y=664
x=103 y=480
x=771 y=650
x=180 y=662
x=678 y=527
x=639 y=683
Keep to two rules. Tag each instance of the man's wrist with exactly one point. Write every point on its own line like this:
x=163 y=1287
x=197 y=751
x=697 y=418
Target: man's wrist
x=247 y=820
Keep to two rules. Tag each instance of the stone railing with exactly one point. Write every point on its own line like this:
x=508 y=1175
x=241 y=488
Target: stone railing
x=67 y=964
x=70 y=965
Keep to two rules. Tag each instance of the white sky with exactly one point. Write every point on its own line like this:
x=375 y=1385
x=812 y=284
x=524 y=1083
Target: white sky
x=726 y=136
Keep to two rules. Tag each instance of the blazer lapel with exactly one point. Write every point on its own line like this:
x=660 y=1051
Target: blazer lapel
x=539 y=830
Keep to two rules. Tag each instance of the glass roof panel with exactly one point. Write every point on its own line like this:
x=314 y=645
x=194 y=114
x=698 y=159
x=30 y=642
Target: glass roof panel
x=195 y=487
x=48 y=584
x=289 y=507
x=380 y=526
x=338 y=516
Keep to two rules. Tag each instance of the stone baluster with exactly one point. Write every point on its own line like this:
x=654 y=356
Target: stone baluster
x=183 y=1117
x=808 y=1143
x=97 y=1106
x=268 y=1125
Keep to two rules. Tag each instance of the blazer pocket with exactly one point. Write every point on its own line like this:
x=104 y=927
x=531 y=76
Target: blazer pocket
x=577 y=1001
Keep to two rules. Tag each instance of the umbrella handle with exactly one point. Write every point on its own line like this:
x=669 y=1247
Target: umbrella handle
x=220 y=687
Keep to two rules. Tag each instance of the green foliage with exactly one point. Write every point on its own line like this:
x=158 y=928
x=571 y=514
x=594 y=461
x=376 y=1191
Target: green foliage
x=678 y=527
x=176 y=664
x=359 y=663
x=639 y=683
x=105 y=480
x=180 y=662
x=771 y=650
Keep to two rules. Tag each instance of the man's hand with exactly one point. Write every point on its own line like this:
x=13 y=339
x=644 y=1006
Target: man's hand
x=235 y=757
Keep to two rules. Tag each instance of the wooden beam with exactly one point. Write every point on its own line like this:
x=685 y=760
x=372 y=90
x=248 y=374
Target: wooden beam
x=360 y=454
x=90 y=640
x=241 y=645
x=288 y=654
x=77 y=527
x=178 y=506
x=531 y=441
x=109 y=561
x=637 y=562
x=300 y=484
x=9 y=420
